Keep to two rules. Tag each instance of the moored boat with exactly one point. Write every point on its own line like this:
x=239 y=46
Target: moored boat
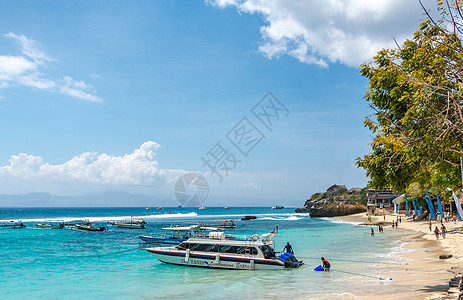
x=51 y=224
x=201 y=208
x=13 y=224
x=228 y=252
x=130 y=223
x=87 y=226
x=278 y=207
x=224 y=224
x=174 y=235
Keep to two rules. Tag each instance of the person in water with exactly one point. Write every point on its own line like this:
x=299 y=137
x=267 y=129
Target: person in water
x=288 y=248
x=326 y=264
x=372 y=232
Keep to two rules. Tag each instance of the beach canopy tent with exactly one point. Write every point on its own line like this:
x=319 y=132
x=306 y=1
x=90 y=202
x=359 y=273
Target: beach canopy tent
x=399 y=199
x=397 y=202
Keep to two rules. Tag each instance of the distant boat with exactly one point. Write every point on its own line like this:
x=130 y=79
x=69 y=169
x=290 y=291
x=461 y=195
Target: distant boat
x=201 y=208
x=247 y=218
x=180 y=206
x=87 y=226
x=176 y=235
x=159 y=208
x=130 y=223
x=224 y=224
x=226 y=207
x=51 y=224
x=148 y=208
x=278 y=207
x=13 y=224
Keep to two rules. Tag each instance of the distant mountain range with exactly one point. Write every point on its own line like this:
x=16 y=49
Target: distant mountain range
x=124 y=199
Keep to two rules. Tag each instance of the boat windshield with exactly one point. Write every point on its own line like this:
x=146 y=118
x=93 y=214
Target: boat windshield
x=267 y=251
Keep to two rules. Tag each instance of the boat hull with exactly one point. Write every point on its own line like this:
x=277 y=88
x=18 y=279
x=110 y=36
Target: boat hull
x=211 y=261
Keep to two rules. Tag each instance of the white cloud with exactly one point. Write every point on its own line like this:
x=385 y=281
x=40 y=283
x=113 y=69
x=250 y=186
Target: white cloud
x=76 y=89
x=29 y=47
x=137 y=168
x=328 y=31
x=24 y=71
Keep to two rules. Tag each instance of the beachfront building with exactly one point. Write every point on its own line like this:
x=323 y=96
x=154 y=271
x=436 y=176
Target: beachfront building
x=379 y=201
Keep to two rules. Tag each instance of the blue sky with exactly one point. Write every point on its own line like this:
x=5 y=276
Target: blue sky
x=85 y=84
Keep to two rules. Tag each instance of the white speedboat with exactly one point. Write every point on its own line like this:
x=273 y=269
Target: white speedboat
x=201 y=208
x=227 y=252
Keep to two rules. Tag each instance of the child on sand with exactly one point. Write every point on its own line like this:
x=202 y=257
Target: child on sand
x=436 y=231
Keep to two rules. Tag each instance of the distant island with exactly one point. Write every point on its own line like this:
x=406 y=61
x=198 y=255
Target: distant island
x=336 y=201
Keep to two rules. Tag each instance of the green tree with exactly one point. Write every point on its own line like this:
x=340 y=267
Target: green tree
x=415 y=92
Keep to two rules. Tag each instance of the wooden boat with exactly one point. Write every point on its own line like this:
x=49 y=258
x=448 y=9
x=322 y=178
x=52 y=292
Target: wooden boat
x=130 y=223
x=224 y=224
x=177 y=234
x=227 y=252
x=87 y=226
x=51 y=224
x=174 y=235
x=13 y=224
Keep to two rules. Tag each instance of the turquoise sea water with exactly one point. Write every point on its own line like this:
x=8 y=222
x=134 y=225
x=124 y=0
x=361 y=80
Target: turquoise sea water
x=70 y=264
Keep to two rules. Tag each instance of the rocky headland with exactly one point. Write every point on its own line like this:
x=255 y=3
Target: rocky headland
x=336 y=201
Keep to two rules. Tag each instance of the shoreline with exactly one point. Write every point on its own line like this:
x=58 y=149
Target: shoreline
x=423 y=272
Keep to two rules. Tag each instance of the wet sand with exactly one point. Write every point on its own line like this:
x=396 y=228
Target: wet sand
x=422 y=275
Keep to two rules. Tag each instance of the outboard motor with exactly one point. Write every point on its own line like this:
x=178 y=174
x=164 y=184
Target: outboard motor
x=290 y=260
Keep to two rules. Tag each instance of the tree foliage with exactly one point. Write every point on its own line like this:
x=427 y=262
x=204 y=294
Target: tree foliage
x=416 y=94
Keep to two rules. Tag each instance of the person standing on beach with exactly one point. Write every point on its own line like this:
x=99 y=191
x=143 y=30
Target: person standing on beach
x=396 y=224
x=443 y=229
x=392 y=224
x=436 y=231
x=372 y=232
x=430 y=225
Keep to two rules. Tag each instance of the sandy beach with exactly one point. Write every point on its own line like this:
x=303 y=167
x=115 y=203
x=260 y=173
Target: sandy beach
x=425 y=275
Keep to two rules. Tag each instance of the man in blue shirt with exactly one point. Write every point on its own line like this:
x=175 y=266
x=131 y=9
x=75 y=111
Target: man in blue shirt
x=288 y=248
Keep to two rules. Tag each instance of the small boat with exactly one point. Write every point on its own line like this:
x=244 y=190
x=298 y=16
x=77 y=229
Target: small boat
x=148 y=208
x=247 y=218
x=159 y=208
x=130 y=223
x=278 y=207
x=87 y=226
x=13 y=224
x=174 y=235
x=51 y=224
x=224 y=224
x=227 y=252
x=226 y=207
x=201 y=208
